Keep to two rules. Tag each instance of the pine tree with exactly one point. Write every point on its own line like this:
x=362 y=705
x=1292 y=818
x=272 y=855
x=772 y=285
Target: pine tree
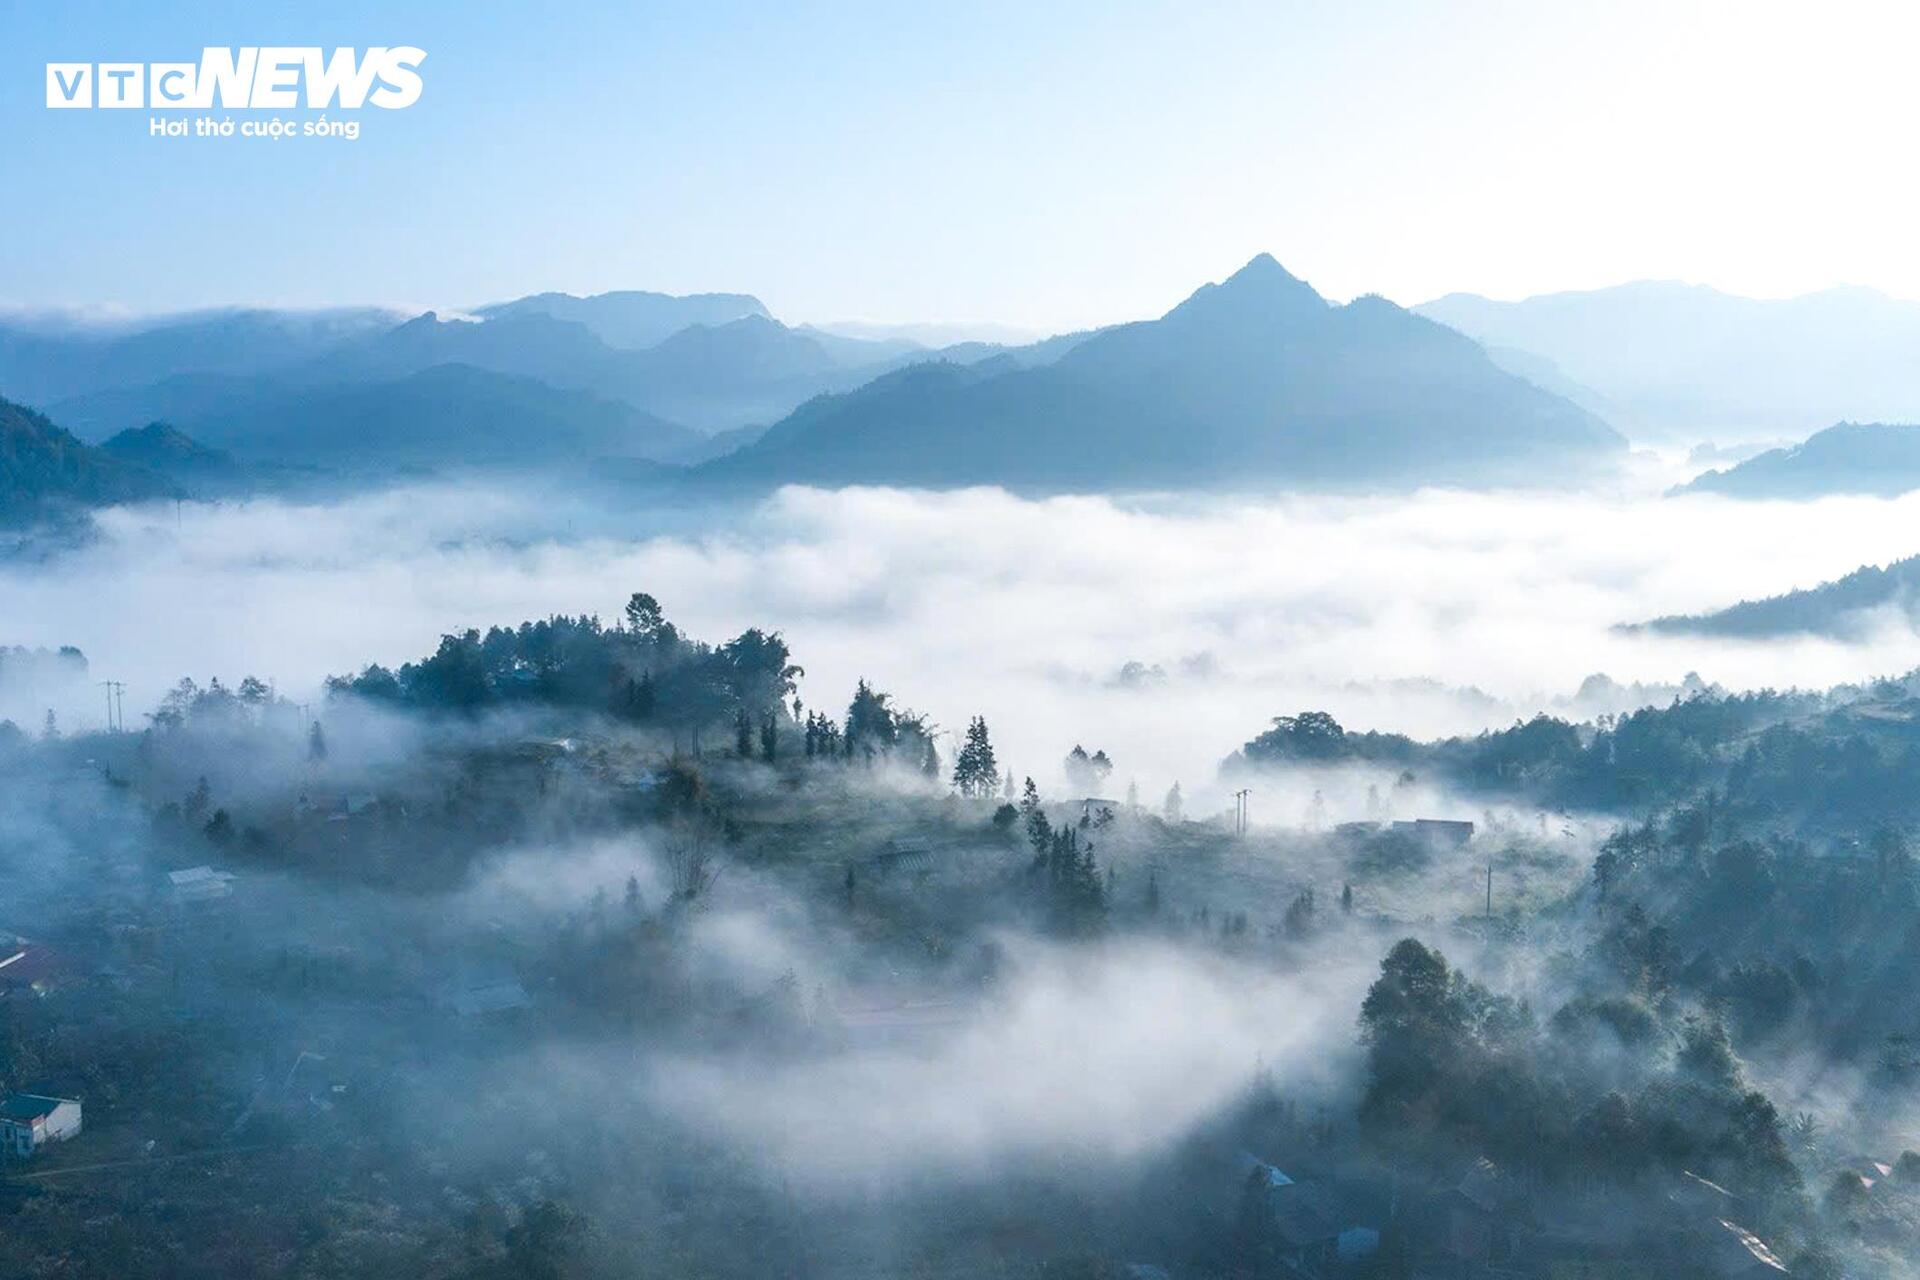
x=976 y=771
x=1034 y=818
x=316 y=743
x=743 y=734
x=769 y=739
x=1079 y=770
x=1173 y=807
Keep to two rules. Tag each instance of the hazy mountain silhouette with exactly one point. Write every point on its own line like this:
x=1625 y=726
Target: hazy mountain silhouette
x=1872 y=458
x=447 y=416
x=633 y=319
x=48 y=360
x=712 y=377
x=1677 y=358
x=1254 y=379
x=563 y=353
x=168 y=451
x=46 y=472
x=1845 y=608
x=182 y=398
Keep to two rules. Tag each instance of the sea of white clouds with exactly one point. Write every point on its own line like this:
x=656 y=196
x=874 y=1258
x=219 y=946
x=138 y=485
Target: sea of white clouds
x=981 y=602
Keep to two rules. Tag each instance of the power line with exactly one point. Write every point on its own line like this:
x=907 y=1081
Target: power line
x=116 y=709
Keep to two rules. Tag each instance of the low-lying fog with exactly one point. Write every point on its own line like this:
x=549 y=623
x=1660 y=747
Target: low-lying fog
x=1442 y=613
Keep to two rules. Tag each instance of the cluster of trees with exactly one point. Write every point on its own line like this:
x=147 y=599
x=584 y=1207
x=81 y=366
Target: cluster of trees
x=1788 y=940
x=1605 y=1092
x=1800 y=755
x=875 y=731
x=215 y=703
x=20 y=663
x=1064 y=867
x=1087 y=774
x=643 y=671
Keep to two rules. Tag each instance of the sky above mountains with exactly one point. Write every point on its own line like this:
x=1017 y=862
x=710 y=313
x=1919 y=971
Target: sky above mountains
x=1049 y=167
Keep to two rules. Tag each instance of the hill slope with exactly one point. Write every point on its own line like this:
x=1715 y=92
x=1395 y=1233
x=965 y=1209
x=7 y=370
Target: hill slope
x=1255 y=379
x=46 y=472
x=1873 y=458
x=168 y=451
x=1846 y=608
x=446 y=416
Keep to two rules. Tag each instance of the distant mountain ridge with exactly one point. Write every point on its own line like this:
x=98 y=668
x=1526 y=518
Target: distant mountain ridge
x=1679 y=360
x=443 y=417
x=1875 y=459
x=633 y=319
x=41 y=364
x=1254 y=379
x=1841 y=609
x=714 y=377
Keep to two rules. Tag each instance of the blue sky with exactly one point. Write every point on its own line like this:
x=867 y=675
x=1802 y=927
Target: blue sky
x=1040 y=165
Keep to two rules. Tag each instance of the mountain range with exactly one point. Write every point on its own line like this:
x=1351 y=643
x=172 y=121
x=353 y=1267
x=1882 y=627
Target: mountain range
x=1664 y=360
x=1871 y=458
x=1254 y=380
x=1257 y=379
x=633 y=320
x=442 y=417
x=711 y=377
x=45 y=360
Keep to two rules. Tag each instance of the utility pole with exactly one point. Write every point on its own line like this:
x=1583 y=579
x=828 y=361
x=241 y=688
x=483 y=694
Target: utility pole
x=116 y=713
x=1240 y=810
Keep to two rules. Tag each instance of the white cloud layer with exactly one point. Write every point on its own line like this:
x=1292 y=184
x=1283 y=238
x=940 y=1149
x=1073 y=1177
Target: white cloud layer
x=982 y=602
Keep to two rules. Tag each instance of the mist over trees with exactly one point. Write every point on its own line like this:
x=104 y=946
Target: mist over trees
x=544 y=844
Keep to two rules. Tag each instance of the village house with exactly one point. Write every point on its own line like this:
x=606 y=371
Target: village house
x=28 y=1121
x=27 y=968
x=200 y=884
x=1437 y=833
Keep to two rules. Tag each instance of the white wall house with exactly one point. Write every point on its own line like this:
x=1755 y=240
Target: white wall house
x=28 y=1121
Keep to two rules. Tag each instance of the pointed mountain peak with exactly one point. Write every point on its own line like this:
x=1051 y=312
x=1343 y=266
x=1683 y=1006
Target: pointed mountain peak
x=1262 y=266
x=1263 y=290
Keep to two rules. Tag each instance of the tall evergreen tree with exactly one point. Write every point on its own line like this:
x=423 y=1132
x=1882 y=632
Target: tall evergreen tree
x=976 y=772
x=1033 y=817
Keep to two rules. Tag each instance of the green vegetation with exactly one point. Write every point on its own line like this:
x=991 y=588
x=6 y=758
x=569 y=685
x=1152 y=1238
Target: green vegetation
x=620 y=874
